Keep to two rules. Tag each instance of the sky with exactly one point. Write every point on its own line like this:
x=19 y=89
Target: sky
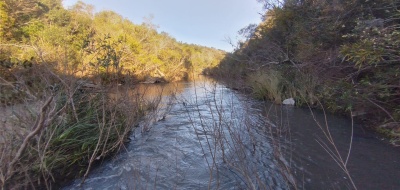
x=204 y=22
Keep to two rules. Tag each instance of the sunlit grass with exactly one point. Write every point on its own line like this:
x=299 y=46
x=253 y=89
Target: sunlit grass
x=65 y=135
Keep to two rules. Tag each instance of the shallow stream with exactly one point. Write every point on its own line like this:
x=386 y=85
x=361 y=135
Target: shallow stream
x=206 y=136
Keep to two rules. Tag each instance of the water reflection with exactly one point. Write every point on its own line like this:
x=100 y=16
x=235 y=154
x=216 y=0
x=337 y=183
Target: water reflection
x=205 y=141
x=372 y=164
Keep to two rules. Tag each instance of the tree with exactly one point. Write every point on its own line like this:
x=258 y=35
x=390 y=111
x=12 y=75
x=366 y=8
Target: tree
x=17 y=15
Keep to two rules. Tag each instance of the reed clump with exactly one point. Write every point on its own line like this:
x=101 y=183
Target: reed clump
x=266 y=85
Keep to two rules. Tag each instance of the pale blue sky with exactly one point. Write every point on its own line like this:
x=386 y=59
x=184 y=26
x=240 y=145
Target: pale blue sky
x=204 y=22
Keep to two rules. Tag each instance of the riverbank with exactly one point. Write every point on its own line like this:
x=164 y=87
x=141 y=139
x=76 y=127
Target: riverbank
x=339 y=56
x=58 y=127
x=66 y=80
x=268 y=88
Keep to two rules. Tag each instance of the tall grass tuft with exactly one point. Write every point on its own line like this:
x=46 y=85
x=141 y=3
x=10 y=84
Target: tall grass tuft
x=266 y=85
x=277 y=84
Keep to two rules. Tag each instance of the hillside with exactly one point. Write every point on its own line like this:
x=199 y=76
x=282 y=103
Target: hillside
x=342 y=56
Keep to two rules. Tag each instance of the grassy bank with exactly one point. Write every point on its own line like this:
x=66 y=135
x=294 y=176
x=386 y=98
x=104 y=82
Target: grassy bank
x=55 y=127
x=342 y=55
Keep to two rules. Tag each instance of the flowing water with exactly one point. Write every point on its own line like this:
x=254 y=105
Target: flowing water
x=206 y=136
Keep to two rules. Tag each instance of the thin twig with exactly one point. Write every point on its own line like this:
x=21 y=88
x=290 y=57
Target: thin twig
x=351 y=140
x=37 y=128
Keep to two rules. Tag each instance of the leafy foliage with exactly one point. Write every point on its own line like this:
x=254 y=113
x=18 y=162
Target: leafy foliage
x=344 y=54
x=49 y=33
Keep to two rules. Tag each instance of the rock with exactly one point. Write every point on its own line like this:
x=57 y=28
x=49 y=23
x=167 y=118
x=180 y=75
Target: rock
x=289 y=101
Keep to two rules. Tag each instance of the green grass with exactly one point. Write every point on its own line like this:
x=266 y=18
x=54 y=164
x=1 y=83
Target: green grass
x=79 y=131
x=266 y=85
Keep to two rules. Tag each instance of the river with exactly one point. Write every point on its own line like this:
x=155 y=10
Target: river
x=206 y=136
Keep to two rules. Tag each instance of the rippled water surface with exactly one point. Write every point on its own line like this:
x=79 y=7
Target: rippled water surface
x=207 y=136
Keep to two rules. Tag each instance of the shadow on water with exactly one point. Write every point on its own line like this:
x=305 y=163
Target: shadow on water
x=204 y=135
x=373 y=164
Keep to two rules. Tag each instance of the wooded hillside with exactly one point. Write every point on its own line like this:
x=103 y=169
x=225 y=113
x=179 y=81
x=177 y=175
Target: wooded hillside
x=343 y=55
x=80 y=42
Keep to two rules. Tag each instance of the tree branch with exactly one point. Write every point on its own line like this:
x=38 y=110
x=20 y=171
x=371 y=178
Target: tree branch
x=39 y=125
